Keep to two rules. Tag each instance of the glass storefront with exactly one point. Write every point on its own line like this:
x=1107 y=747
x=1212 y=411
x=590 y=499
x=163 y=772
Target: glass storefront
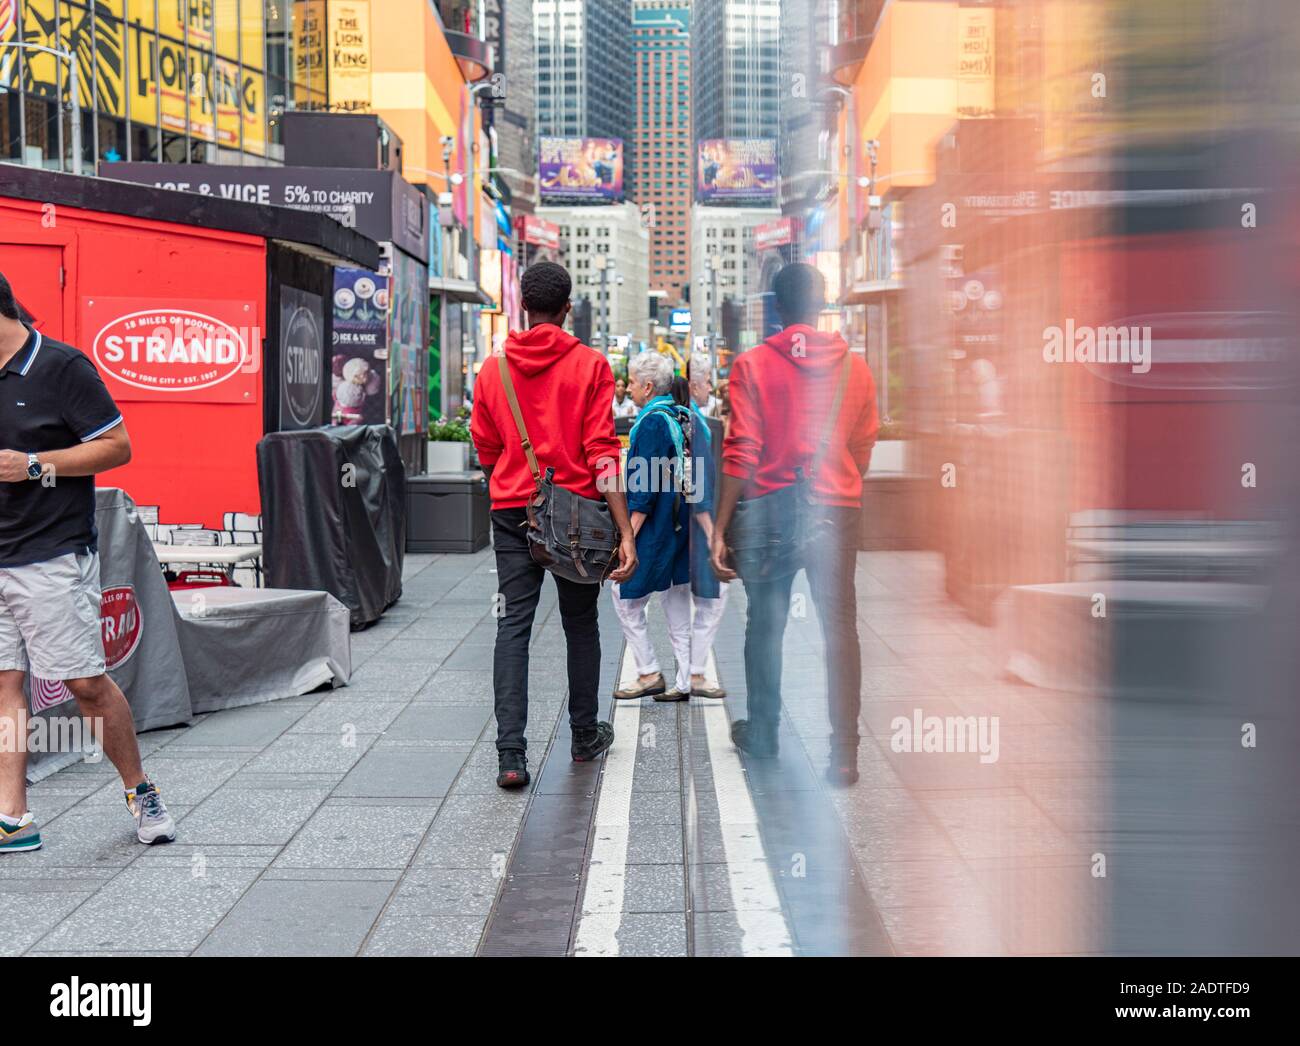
x=201 y=81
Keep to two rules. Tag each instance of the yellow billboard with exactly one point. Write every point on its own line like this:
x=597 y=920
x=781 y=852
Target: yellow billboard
x=349 y=55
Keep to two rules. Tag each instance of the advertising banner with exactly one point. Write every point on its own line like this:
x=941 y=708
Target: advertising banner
x=779 y=233
x=581 y=169
x=349 y=55
x=302 y=360
x=540 y=232
x=378 y=204
x=408 y=328
x=360 y=359
x=737 y=170
x=174 y=350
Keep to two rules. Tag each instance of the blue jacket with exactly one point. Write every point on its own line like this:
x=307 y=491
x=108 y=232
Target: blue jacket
x=663 y=545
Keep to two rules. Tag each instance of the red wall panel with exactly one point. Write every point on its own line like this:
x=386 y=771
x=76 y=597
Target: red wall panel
x=195 y=460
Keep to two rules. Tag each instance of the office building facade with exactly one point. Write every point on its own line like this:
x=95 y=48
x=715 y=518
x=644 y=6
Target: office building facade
x=664 y=165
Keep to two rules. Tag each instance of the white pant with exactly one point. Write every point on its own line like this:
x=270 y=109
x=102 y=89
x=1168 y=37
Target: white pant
x=708 y=619
x=677 y=609
x=691 y=641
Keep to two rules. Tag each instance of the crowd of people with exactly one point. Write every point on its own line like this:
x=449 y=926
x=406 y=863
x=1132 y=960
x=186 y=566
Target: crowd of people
x=755 y=486
x=755 y=483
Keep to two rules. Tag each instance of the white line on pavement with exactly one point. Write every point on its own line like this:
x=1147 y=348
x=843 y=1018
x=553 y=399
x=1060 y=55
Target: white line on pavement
x=753 y=890
x=602 y=903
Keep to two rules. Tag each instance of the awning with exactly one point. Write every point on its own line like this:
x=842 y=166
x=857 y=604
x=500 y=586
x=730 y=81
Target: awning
x=465 y=291
x=868 y=292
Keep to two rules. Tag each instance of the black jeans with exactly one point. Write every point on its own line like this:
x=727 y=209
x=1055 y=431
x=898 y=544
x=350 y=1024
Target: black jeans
x=519 y=581
x=834 y=593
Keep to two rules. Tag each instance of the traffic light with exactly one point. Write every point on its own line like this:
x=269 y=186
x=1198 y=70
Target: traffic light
x=582 y=320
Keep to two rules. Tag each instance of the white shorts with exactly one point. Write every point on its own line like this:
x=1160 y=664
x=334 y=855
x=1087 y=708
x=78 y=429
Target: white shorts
x=49 y=619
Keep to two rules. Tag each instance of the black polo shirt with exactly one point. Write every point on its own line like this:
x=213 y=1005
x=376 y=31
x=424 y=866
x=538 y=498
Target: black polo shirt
x=51 y=398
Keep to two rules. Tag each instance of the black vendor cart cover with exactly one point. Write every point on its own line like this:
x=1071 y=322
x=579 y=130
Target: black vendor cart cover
x=334 y=515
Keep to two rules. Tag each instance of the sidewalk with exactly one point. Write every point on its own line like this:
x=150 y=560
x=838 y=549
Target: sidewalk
x=367 y=820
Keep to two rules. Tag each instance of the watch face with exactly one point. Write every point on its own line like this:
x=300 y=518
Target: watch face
x=33 y=469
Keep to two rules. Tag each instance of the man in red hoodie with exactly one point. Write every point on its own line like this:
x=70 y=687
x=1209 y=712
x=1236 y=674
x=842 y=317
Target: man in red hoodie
x=781 y=397
x=564 y=390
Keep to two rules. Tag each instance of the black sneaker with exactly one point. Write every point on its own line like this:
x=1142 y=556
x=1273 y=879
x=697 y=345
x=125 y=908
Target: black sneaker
x=744 y=737
x=512 y=769
x=591 y=742
x=842 y=770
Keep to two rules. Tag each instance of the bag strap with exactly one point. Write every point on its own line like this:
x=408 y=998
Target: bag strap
x=836 y=404
x=508 y=384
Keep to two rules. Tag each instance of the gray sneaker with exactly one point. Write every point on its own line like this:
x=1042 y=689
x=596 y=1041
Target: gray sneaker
x=153 y=824
x=17 y=840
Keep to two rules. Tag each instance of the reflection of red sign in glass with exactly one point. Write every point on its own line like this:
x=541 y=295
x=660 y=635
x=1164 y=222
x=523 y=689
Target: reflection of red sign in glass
x=774 y=234
x=120 y=621
x=198 y=351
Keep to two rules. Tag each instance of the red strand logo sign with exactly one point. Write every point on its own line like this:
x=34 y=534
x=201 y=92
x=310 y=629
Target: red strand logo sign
x=204 y=352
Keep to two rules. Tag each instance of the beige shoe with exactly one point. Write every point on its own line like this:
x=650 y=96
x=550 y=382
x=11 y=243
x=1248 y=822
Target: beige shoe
x=708 y=691
x=674 y=695
x=640 y=689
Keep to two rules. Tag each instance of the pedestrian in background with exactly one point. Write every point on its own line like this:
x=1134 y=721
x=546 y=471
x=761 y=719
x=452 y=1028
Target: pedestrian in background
x=803 y=413
x=624 y=405
x=564 y=390
x=656 y=468
x=59 y=427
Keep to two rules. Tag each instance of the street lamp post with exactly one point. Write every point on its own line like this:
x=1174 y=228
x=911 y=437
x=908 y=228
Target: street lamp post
x=74 y=103
x=715 y=263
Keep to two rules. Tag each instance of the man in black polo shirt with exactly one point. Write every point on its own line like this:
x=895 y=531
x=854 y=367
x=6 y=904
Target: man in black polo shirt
x=58 y=428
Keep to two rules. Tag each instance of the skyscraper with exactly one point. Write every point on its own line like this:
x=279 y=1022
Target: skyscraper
x=584 y=86
x=735 y=68
x=664 y=166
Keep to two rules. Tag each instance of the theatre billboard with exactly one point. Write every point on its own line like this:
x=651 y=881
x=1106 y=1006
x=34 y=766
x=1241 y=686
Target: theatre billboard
x=581 y=169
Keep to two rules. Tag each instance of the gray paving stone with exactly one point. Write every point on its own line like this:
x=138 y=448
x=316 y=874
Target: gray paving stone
x=91 y=837
x=238 y=814
x=426 y=890
x=36 y=907
x=659 y=935
x=440 y=722
x=311 y=753
x=341 y=711
x=358 y=837
x=416 y=772
x=281 y=917
x=257 y=725
x=397 y=934
x=151 y=908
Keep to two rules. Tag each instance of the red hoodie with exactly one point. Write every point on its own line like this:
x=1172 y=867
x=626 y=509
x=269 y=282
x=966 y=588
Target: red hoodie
x=781 y=394
x=565 y=390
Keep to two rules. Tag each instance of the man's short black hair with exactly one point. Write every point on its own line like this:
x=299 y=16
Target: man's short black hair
x=800 y=292
x=546 y=288
x=9 y=307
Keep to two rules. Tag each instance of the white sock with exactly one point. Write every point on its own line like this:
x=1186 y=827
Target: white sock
x=12 y=822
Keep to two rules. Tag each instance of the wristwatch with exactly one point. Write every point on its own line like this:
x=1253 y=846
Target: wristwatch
x=33 y=467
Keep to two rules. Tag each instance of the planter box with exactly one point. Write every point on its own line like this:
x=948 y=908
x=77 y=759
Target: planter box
x=448 y=456
x=447 y=512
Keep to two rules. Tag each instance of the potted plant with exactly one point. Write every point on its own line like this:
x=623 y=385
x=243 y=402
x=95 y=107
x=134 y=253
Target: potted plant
x=449 y=445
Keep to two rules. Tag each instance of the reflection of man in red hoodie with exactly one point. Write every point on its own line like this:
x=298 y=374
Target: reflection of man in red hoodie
x=564 y=391
x=781 y=395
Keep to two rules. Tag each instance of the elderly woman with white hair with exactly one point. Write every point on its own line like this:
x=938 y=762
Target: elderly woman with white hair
x=656 y=498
